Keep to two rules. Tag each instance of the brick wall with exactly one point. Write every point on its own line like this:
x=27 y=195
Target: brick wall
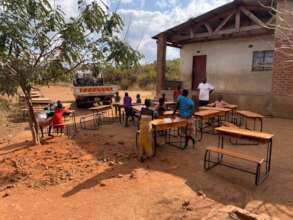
x=282 y=80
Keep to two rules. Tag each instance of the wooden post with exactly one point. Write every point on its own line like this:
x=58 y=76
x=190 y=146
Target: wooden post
x=161 y=63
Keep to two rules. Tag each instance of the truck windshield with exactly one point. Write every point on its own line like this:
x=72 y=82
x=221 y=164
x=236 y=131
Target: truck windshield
x=80 y=82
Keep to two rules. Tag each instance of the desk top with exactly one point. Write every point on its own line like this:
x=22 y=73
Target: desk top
x=137 y=108
x=244 y=133
x=206 y=113
x=231 y=106
x=41 y=100
x=100 y=108
x=250 y=114
x=215 y=108
x=168 y=121
x=168 y=113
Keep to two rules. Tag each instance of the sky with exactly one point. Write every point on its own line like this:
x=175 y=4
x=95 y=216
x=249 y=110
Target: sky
x=146 y=18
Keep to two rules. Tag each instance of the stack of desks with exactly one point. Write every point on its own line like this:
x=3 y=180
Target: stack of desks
x=260 y=137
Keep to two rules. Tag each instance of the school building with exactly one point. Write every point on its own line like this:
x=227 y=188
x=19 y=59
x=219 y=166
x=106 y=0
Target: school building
x=244 y=49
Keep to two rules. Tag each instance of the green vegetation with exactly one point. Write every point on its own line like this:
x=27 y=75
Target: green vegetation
x=38 y=45
x=143 y=76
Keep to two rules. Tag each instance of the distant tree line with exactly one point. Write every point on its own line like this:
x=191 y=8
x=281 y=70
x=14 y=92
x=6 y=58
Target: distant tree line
x=143 y=76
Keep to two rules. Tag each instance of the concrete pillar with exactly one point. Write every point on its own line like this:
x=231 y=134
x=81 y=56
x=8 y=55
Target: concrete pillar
x=161 y=63
x=282 y=80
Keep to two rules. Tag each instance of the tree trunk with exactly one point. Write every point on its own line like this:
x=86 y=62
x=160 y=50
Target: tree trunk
x=34 y=126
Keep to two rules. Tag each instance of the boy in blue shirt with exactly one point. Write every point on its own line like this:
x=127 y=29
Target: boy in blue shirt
x=186 y=109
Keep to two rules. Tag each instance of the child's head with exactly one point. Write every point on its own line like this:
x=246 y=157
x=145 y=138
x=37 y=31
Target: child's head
x=161 y=101
x=163 y=95
x=220 y=98
x=185 y=92
x=126 y=93
x=138 y=96
x=59 y=104
x=147 y=103
x=117 y=93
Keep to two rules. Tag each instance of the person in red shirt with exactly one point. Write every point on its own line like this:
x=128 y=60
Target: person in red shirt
x=177 y=92
x=58 y=119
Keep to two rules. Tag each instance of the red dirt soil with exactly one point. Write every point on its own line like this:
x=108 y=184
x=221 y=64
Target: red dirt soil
x=96 y=175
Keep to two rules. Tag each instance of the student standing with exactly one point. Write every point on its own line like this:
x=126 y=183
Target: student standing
x=127 y=102
x=205 y=89
x=117 y=100
x=186 y=109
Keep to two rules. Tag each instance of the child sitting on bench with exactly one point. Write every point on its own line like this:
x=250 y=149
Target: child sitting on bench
x=219 y=103
x=58 y=119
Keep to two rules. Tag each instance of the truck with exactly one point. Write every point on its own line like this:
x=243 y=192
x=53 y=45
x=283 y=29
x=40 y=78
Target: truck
x=88 y=89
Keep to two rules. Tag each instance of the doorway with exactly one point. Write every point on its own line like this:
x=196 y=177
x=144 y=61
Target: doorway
x=199 y=67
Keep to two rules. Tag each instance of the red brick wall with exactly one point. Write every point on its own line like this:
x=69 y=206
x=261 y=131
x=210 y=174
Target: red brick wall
x=282 y=80
x=283 y=61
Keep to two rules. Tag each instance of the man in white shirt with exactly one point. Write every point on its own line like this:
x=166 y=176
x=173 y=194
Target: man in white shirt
x=205 y=89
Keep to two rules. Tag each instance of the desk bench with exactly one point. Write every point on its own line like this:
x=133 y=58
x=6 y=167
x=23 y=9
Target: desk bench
x=260 y=137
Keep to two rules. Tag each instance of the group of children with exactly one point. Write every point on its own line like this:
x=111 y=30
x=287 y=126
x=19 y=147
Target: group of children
x=156 y=110
x=52 y=116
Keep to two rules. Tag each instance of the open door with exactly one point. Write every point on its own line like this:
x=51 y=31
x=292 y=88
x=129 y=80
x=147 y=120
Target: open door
x=198 y=70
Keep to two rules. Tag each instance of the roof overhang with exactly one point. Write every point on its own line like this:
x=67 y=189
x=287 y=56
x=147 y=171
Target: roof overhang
x=259 y=12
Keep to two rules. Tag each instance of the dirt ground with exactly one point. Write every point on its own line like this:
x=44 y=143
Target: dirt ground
x=96 y=175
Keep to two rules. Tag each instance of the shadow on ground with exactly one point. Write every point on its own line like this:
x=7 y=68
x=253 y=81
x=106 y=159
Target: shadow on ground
x=222 y=184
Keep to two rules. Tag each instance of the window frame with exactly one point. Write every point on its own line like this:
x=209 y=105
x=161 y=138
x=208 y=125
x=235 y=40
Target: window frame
x=264 y=65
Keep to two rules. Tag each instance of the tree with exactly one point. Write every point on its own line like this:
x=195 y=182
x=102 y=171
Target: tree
x=39 y=44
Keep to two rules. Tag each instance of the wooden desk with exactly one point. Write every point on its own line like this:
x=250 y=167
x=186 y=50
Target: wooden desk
x=165 y=125
x=202 y=108
x=260 y=137
x=248 y=115
x=168 y=104
x=41 y=101
x=203 y=115
x=168 y=113
x=97 y=116
x=231 y=106
x=137 y=108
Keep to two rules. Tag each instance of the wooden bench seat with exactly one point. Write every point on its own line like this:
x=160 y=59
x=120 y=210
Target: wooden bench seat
x=212 y=162
x=235 y=155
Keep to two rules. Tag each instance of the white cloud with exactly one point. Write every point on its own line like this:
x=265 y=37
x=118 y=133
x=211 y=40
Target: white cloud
x=126 y=1
x=167 y=3
x=145 y=24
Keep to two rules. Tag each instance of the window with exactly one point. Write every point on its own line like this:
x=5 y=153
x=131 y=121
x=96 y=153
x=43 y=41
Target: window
x=262 y=60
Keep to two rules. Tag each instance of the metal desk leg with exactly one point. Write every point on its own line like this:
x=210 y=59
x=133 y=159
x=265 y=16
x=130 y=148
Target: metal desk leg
x=155 y=140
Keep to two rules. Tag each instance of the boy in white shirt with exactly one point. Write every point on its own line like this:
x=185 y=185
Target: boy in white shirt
x=205 y=89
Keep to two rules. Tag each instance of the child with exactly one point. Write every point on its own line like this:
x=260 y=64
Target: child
x=147 y=109
x=117 y=99
x=160 y=107
x=177 y=92
x=127 y=102
x=58 y=120
x=138 y=99
x=219 y=103
x=164 y=97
